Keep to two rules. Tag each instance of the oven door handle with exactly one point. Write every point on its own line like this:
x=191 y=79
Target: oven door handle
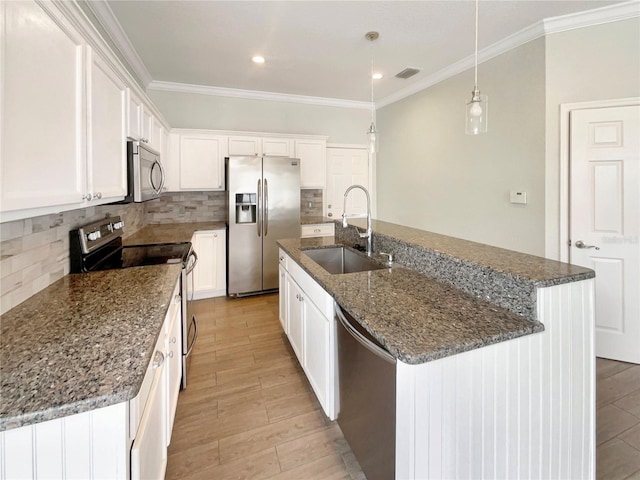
x=195 y=334
x=195 y=261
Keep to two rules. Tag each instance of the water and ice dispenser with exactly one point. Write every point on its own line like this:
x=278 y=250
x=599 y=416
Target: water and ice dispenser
x=246 y=206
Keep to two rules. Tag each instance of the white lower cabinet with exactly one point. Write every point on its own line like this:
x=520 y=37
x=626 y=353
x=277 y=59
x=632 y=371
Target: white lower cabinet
x=295 y=317
x=282 y=297
x=173 y=348
x=307 y=312
x=125 y=441
x=149 y=449
x=210 y=273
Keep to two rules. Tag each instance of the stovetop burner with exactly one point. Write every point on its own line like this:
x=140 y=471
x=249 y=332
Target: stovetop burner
x=98 y=246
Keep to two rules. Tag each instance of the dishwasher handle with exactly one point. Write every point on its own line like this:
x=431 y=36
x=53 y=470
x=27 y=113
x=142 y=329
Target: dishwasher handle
x=361 y=339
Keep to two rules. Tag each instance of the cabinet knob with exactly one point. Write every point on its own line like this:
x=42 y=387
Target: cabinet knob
x=173 y=340
x=158 y=359
x=281 y=259
x=170 y=354
x=87 y=197
x=329 y=214
x=97 y=195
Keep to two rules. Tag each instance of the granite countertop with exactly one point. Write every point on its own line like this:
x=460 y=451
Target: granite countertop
x=82 y=343
x=170 y=232
x=416 y=318
x=539 y=271
x=312 y=220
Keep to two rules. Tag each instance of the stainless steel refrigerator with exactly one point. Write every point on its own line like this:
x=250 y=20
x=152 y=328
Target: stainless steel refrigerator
x=263 y=197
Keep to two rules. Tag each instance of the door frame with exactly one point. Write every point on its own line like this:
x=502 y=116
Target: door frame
x=565 y=157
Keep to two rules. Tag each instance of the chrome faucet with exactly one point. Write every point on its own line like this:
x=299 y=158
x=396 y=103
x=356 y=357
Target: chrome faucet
x=368 y=234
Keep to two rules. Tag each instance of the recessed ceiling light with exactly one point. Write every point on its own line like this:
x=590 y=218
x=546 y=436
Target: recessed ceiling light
x=258 y=59
x=376 y=76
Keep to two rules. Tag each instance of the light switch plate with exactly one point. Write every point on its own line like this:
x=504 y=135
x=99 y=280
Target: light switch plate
x=518 y=197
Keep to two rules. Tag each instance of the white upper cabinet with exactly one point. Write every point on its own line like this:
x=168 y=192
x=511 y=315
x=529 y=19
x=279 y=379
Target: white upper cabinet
x=201 y=164
x=157 y=135
x=245 y=146
x=134 y=116
x=106 y=125
x=66 y=113
x=146 y=129
x=277 y=147
x=313 y=162
x=42 y=159
x=258 y=146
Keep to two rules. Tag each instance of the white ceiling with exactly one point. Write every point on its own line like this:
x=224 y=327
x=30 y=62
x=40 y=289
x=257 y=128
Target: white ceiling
x=318 y=48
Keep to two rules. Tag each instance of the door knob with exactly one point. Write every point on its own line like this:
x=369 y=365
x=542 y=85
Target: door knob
x=581 y=244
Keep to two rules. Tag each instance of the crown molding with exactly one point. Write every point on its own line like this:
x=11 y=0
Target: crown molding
x=589 y=18
x=611 y=13
x=111 y=25
x=256 y=95
x=547 y=26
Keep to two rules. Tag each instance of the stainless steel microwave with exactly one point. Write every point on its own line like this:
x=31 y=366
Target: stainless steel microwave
x=145 y=174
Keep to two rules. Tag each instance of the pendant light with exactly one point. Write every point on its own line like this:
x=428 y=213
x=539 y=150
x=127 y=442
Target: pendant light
x=477 y=108
x=372 y=133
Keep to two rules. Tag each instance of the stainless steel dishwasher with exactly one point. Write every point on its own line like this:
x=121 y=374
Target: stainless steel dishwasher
x=367 y=385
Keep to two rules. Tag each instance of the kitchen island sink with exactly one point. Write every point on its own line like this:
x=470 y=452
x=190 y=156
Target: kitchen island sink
x=340 y=260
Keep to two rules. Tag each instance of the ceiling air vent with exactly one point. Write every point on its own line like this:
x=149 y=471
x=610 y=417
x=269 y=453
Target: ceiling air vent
x=407 y=73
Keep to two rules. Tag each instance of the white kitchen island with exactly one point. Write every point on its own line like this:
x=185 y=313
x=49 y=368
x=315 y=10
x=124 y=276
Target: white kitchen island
x=497 y=402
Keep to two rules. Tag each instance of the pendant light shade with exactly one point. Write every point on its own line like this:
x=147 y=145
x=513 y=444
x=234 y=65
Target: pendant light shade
x=373 y=138
x=372 y=133
x=478 y=106
x=477 y=109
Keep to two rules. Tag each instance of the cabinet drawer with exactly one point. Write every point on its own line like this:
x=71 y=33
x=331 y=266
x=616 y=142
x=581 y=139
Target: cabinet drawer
x=318 y=230
x=283 y=258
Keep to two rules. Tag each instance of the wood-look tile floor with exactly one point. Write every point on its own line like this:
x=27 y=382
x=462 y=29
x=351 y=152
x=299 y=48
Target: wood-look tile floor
x=617 y=420
x=248 y=411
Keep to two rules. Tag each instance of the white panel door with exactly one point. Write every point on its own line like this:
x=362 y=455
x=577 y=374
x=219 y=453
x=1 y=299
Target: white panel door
x=346 y=167
x=107 y=156
x=605 y=221
x=202 y=162
x=42 y=157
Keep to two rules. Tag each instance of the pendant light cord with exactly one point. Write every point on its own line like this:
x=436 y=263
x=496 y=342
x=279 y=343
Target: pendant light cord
x=476 y=59
x=372 y=104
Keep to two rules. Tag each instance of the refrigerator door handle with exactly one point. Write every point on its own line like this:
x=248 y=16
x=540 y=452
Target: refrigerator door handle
x=266 y=207
x=258 y=220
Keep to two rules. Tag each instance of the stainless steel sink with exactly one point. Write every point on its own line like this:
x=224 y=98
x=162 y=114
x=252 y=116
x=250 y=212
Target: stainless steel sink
x=338 y=260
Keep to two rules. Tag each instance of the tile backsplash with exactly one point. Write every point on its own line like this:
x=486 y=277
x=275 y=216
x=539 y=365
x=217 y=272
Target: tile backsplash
x=34 y=252
x=311 y=202
x=184 y=207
